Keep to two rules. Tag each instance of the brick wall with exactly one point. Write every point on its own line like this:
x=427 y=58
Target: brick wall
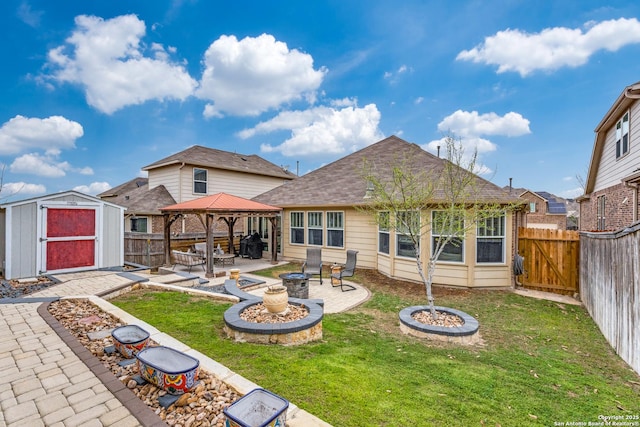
x=540 y=215
x=618 y=208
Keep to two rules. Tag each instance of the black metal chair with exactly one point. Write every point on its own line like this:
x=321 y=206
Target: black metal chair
x=313 y=264
x=348 y=271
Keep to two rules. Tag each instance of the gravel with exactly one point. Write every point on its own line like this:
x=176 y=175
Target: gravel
x=202 y=407
x=18 y=289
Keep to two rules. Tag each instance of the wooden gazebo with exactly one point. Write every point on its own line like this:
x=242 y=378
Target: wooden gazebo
x=228 y=208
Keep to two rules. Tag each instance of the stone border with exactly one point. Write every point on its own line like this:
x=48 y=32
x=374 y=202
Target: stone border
x=465 y=334
x=232 y=319
x=129 y=400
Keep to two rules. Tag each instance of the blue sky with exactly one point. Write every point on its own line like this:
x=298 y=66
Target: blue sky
x=94 y=91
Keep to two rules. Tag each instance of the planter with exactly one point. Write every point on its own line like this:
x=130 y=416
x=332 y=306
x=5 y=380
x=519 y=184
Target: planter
x=258 y=408
x=129 y=340
x=466 y=334
x=275 y=299
x=171 y=370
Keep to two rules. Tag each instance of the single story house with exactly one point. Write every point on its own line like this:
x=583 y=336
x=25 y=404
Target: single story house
x=321 y=209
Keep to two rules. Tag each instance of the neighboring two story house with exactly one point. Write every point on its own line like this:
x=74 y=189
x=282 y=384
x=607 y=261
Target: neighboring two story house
x=190 y=174
x=321 y=209
x=610 y=201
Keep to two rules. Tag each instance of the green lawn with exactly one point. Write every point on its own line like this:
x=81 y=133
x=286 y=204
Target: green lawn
x=541 y=362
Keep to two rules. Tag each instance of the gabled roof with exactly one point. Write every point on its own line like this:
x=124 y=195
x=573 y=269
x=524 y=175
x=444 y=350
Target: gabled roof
x=554 y=206
x=206 y=157
x=629 y=95
x=222 y=203
x=125 y=188
x=137 y=198
x=340 y=183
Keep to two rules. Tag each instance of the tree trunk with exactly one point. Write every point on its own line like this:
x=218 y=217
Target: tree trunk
x=427 y=280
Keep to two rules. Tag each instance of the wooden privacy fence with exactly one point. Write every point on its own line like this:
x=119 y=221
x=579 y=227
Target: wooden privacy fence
x=610 y=288
x=148 y=248
x=551 y=260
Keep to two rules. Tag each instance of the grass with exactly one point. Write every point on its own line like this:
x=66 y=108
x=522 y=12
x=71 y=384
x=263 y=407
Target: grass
x=541 y=362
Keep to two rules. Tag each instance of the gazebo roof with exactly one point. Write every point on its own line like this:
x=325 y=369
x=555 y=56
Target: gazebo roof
x=222 y=203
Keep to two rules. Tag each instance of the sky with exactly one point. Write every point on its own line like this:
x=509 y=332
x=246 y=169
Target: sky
x=94 y=91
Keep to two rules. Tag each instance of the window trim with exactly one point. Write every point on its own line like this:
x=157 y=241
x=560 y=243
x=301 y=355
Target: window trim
x=136 y=219
x=399 y=233
x=435 y=235
x=384 y=230
x=315 y=227
x=620 y=141
x=342 y=217
x=197 y=181
x=502 y=237
x=291 y=227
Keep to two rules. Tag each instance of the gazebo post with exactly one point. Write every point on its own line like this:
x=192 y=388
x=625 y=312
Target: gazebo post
x=210 y=267
x=274 y=237
x=168 y=221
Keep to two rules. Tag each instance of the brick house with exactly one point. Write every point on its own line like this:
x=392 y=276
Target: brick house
x=545 y=210
x=610 y=201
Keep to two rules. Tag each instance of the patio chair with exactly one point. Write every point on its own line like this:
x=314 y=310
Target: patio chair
x=348 y=271
x=187 y=259
x=313 y=264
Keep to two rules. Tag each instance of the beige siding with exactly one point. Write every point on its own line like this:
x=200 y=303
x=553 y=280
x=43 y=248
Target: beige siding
x=611 y=171
x=168 y=176
x=361 y=234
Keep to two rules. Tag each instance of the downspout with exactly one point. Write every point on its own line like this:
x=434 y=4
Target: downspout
x=182 y=222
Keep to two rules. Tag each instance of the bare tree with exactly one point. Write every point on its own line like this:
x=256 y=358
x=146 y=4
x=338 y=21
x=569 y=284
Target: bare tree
x=399 y=194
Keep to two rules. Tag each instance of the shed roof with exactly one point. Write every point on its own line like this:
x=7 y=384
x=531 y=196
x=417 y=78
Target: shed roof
x=341 y=184
x=198 y=155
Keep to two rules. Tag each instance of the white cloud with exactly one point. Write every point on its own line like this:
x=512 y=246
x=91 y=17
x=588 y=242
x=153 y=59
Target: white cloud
x=322 y=131
x=468 y=127
x=108 y=61
x=469 y=146
x=13 y=188
x=37 y=164
x=254 y=75
x=572 y=193
x=29 y=16
x=46 y=165
x=471 y=124
x=552 y=48
x=22 y=133
x=93 y=188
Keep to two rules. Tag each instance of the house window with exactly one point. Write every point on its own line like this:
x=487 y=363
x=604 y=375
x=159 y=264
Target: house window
x=199 y=181
x=405 y=222
x=297 y=228
x=314 y=223
x=443 y=228
x=532 y=207
x=260 y=225
x=383 y=232
x=490 y=240
x=601 y=201
x=335 y=229
x=139 y=225
x=622 y=136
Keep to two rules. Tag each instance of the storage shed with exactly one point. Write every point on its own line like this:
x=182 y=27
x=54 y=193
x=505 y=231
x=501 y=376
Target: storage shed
x=60 y=233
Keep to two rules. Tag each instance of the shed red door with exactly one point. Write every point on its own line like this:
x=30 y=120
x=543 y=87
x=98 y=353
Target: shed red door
x=70 y=238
